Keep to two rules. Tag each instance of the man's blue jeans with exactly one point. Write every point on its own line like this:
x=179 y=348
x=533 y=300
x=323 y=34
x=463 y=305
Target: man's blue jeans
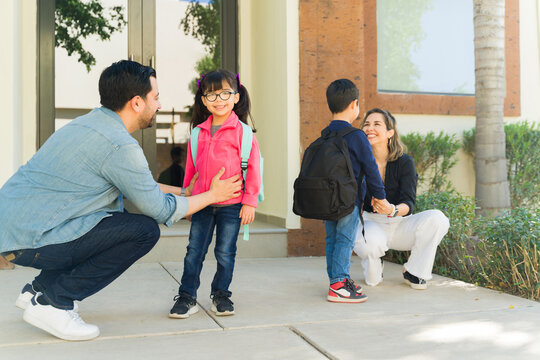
x=82 y=267
x=227 y=222
x=340 y=237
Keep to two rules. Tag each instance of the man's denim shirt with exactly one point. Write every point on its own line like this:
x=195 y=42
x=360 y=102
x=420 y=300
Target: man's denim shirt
x=76 y=179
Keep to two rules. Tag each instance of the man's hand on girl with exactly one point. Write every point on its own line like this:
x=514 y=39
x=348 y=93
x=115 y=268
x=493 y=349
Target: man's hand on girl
x=247 y=213
x=224 y=190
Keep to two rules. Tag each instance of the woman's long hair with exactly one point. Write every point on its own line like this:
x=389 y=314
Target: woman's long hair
x=395 y=146
x=213 y=81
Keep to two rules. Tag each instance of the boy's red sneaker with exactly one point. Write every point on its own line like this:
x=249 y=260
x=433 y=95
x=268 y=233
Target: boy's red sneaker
x=337 y=285
x=345 y=292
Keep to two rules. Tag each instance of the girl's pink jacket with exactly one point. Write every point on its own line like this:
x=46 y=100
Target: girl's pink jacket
x=223 y=150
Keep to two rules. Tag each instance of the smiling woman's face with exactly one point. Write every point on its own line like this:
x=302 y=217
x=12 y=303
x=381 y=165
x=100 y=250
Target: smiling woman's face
x=375 y=129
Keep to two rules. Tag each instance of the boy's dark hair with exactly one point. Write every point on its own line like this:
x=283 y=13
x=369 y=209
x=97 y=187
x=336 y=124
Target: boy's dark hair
x=122 y=81
x=340 y=94
x=213 y=81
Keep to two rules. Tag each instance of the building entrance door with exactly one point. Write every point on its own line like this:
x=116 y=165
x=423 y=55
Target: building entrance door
x=169 y=35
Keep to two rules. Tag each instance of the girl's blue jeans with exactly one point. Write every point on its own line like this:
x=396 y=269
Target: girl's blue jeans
x=340 y=237
x=227 y=223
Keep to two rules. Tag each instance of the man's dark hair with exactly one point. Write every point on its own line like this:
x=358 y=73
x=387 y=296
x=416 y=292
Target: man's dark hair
x=122 y=81
x=340 y=94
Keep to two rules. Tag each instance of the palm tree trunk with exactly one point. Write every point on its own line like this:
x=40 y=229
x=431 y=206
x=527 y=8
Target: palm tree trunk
x=492 y=190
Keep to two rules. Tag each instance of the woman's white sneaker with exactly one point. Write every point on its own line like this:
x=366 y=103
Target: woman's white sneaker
x=64 y=324
x=414 y=281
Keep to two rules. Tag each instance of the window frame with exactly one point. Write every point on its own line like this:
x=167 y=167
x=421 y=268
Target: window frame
x=413 y=103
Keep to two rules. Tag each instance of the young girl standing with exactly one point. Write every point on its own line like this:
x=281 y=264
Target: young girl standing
x=221 y=103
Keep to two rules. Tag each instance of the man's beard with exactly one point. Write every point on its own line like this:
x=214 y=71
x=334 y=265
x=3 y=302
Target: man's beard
x=145 y=124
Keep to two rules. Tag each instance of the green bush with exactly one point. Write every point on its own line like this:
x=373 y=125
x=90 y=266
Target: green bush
x=501 y=253
x=509 y=253
x=523 y=161
x=433 y=156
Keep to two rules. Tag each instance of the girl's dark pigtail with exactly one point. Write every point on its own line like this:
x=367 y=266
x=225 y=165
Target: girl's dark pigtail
x=243 y=107
x=200 y=113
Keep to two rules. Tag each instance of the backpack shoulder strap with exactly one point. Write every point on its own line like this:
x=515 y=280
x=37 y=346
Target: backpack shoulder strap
x=245 y=150
x=194 y=139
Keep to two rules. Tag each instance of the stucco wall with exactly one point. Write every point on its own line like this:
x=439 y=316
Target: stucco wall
x=18 y=93
x=529 y=37
x=269 y=70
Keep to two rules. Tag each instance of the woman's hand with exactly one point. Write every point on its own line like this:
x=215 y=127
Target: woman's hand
x=381 y=206
x=247 y=213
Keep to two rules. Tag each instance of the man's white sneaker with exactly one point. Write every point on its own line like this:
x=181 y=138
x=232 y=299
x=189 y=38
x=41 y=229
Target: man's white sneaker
x=27 y=293
x=64 y=324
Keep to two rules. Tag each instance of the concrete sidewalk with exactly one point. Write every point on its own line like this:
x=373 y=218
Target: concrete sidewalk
x=282 y=313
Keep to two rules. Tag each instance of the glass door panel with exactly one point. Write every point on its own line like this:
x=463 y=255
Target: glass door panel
x=181 y=57
x=76 y=83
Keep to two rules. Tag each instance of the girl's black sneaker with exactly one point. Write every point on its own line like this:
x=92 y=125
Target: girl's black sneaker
x=184 y=306
x=222 y=304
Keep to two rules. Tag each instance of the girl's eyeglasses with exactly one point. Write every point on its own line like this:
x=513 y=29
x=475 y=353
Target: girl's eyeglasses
x=224 y=95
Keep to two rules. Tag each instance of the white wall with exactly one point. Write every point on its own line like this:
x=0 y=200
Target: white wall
x=269 y=68
x=529 y=42
x=18 y=93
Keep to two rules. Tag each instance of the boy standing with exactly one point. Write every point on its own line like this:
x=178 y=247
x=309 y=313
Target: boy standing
x=342 y=98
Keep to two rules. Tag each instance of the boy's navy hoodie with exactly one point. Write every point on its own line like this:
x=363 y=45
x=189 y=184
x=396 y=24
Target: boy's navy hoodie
x=362 y=159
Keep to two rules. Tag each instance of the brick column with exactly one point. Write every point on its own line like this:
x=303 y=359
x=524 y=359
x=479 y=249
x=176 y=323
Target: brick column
x=331 y=47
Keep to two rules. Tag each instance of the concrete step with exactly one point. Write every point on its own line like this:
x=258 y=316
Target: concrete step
x=265 y=241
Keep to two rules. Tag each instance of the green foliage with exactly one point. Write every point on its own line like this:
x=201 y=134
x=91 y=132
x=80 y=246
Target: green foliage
x=467 y=144
x=203 y=22
x=509 y=253
x=501 y=253
x=433 y=157
x=75 y=20
x=522 y=161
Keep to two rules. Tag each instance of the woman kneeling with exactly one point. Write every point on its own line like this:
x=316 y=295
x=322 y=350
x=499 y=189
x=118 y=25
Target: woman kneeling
x=390 y=224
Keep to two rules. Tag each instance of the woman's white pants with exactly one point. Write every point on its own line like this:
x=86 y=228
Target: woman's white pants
x=420 y=233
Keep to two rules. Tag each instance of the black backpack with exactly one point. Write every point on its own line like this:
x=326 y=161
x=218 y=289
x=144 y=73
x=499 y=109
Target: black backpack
x=326 y=188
